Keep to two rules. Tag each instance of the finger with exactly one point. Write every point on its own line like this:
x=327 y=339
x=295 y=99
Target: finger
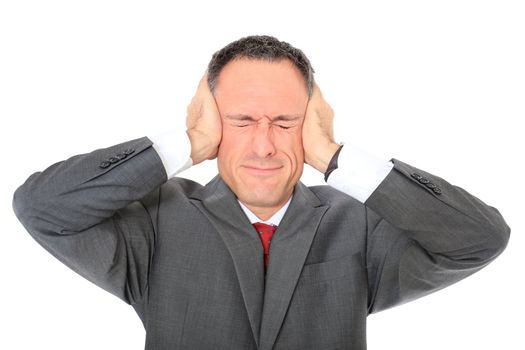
x=316 y=91
x=204 y=87
x=204 y=79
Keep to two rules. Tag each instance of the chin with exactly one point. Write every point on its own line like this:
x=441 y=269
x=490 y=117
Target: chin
x=266 y=198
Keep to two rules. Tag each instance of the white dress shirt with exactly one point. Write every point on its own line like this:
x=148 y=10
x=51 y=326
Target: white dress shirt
x=358 y=173
x=274 y=220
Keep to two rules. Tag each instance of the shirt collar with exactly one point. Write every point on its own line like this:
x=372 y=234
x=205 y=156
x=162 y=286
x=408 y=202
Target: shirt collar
x=274 y=220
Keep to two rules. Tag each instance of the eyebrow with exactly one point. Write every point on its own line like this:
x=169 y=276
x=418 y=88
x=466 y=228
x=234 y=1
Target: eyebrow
x=246 y=117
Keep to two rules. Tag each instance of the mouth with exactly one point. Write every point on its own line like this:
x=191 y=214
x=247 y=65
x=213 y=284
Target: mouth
x=261 y=171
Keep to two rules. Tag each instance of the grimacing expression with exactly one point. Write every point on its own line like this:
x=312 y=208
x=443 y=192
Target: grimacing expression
x=262 y=106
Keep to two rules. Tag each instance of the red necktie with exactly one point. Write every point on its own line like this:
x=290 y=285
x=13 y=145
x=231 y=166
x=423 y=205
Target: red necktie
x=265 y=233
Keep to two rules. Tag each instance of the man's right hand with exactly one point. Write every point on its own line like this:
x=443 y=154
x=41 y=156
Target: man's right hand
x=203 y=122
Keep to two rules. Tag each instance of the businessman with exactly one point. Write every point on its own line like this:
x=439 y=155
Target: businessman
x=255 y=259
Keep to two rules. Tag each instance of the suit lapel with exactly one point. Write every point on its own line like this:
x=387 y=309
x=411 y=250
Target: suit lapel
x=266 y=304
x=288 y=251
x=220 y=206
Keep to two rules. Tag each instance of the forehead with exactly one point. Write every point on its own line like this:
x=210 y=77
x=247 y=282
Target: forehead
x=258 y=86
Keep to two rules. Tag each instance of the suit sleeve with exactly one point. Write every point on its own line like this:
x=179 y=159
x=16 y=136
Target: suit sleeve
x=96 y=213
x=425 y=234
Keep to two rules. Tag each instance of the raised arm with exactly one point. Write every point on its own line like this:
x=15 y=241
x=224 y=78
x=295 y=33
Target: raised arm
x=429 y=234
x=97 y=212
x=92 y=212
x=423 y=233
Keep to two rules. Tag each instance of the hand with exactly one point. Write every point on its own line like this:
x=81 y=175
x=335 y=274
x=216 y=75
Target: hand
x=203 y=124
x=318 y=133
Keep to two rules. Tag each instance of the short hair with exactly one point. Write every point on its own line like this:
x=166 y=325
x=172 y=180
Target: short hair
x=260 y=47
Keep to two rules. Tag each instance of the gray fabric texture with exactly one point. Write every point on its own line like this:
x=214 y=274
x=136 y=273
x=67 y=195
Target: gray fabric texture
x=188 y=260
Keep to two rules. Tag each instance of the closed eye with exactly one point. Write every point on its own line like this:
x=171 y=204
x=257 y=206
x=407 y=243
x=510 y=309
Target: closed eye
x=242 y=123
x=283 y=122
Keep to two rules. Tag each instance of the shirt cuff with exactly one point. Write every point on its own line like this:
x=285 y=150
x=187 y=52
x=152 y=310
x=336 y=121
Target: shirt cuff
x=358 y=173
x=174 y=149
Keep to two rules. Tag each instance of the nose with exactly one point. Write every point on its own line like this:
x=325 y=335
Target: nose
x=263 y=144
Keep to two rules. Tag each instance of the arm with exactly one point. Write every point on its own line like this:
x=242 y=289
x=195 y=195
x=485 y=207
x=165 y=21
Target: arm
x=97 y=212
x=88 y=213
x=423 y=233
x=434 y=236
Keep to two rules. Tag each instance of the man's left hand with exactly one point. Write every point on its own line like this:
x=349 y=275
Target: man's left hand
x=318 y=134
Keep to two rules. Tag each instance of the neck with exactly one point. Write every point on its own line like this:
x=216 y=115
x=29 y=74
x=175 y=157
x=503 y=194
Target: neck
x=263 y=213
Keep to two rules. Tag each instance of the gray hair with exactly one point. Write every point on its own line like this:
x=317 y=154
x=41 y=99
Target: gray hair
x=260 y=47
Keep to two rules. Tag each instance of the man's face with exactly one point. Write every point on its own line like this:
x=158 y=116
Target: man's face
x=262 y=106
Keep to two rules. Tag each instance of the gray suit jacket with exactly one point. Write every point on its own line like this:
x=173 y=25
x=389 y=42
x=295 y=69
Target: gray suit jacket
x=189 y=262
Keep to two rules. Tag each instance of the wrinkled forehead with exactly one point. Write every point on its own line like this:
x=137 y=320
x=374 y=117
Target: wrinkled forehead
x=272 y=88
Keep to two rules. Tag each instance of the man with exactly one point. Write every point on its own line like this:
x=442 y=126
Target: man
x=255 y=259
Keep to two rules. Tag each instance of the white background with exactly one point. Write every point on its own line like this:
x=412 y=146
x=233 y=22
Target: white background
x=437 y=84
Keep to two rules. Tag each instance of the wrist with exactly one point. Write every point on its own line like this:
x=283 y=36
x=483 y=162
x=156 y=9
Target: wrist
x=174 y=148
x=324 y=155
x=202 y=148
x=333 y=165
x=198 y=148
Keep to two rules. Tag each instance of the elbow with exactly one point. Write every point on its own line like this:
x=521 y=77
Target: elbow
x=21 y=206
x=491 y=235
x=25 y=211
x=28 y=211
x=503 y=236
x=501 y=232
x=497 y=239
x=486 y=243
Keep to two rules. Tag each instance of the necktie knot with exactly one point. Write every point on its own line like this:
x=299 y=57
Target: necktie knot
x=265 y=232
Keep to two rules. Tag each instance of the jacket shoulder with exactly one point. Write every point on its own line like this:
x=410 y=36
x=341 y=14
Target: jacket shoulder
x=344 y=204
x=180 y=186
x=330 y=196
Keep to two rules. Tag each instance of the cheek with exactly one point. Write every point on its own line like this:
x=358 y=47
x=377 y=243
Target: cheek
x=231 y=147
x=297 y=146
x=292 y=146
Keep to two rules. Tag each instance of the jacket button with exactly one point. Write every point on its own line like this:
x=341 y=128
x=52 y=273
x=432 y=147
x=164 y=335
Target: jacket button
x=437 y=190
x=424 y=180
x=104 y=164
x=113 y=160
x=431 y=186
x=121 y=156
x=416 y=176
x=128 y=151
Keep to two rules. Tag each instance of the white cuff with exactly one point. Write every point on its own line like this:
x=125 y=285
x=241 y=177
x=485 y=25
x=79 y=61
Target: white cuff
x=358 y=173
x=174 y=149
